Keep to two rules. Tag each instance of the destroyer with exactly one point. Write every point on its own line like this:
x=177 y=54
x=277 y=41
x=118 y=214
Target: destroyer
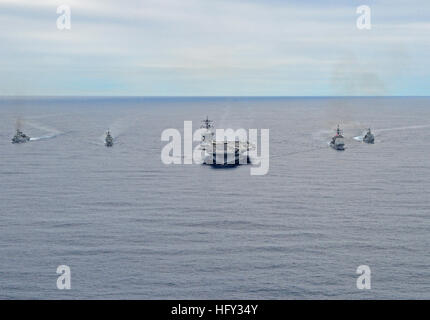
x=222 y=153
x=108 y=139
x=369 y=137
x=337 y=142
x=20 y=137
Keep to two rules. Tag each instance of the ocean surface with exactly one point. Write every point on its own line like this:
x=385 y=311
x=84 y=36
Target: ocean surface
x=131 y=227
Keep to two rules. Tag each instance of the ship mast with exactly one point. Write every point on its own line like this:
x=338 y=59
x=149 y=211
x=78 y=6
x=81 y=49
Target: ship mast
x=207 y=124
x=338 y=131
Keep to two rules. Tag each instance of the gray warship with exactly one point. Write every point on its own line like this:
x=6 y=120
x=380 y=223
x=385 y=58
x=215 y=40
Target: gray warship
x=369 y=137
x=337 y=142
x=108 y=139
x=20 y=137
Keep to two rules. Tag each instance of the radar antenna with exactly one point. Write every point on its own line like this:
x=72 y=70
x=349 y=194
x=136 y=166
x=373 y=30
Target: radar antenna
x=207 y=124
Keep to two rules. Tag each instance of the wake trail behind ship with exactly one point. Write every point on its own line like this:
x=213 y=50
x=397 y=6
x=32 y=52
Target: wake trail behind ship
x=52 y=133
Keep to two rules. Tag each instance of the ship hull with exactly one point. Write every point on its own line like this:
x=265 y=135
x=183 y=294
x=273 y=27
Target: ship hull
x=369 y=140
x=337 y=147
x=19 y=141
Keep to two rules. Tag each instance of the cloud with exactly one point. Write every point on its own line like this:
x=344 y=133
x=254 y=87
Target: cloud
x=253 y=47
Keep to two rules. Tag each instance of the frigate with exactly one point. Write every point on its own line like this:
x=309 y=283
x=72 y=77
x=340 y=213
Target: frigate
x=108 y=139
x=20 y=137
x=369 y=137
x=337 y=142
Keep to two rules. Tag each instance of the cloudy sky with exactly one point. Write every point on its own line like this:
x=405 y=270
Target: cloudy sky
x=214 y=48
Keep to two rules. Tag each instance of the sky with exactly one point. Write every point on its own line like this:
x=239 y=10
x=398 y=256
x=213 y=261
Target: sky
x=215 y=48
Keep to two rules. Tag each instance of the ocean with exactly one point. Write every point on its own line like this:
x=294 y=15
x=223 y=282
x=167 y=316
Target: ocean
x=131 y=227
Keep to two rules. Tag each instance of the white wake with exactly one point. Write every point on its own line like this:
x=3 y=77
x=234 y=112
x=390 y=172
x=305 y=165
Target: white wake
x=51 y=132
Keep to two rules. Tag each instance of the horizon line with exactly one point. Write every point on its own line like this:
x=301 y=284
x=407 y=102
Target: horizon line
x=211 y=96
